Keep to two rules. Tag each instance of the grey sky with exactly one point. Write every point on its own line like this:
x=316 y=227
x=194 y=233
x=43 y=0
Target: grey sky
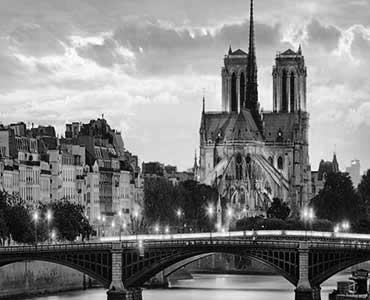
x=144 y=64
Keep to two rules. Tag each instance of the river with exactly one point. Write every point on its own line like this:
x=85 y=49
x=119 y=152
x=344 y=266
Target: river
x=215 y=287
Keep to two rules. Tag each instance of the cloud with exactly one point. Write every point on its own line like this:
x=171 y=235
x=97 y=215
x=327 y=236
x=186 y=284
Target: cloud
x=145 y=64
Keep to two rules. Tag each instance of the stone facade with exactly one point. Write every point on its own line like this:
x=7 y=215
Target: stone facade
x=251 y=156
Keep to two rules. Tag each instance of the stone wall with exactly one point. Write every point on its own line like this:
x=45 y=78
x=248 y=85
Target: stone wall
x=26 y=278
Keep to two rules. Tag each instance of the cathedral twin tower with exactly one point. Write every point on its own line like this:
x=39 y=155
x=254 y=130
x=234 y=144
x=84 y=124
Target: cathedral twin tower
x=250 y=156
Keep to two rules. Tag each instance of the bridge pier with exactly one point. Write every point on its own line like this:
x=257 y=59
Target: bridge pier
x=129 y=294
x=304 y=290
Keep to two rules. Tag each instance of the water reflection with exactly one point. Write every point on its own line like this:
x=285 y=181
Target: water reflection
x=215 y=287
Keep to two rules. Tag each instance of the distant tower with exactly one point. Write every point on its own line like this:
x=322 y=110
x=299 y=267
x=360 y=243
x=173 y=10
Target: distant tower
x=289 y=82
x=234 y=80
x=335 y=164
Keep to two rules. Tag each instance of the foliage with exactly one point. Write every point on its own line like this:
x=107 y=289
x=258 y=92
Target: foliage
x=364 y=191
x=163 y=199
x=278 y=209
x=69 y=220
x=362 y=226
x=338 y=201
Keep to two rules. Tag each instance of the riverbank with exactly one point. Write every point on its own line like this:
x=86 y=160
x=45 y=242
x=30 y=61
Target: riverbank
x=23 y=279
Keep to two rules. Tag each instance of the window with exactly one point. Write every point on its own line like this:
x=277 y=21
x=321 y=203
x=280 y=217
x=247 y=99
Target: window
x=280 y=163
x=292 y=92
x=242 y=89
x=284 y=100
x=238 y=167
x=234 y=100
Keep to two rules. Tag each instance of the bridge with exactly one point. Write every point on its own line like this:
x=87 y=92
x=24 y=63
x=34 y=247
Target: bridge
x=305 y=259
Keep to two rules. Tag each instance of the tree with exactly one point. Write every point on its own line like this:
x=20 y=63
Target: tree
x=337 y=201
x=69 y=220
x=364 y=191
x=278 y=209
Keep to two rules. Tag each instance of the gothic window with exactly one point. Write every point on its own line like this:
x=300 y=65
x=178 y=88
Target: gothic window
x=280 y=163
x=242 y=89
x=271 y=160
x=238 y=167
x=234 y=100
x=248 y=166
x=242 y=196
x=284 y=99
x=292 y=92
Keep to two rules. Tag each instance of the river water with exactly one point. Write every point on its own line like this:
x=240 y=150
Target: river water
x=212 y=287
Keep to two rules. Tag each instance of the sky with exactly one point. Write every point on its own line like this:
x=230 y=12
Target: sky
x=146 y=64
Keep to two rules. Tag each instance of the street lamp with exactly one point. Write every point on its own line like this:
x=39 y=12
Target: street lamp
x=178 y=214
x=103 y=224
x=345 y=225
x=49 y=216
x=167 y=230
x=156 y=229
x=210 y=211
x=308 y=216
x=35 y=219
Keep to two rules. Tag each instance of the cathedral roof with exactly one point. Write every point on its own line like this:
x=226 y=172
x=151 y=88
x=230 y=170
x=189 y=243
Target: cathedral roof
x=289 y=52
x=230 y=126
x=238 y=52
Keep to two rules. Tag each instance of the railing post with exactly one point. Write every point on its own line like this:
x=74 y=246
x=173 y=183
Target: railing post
x=304 y=290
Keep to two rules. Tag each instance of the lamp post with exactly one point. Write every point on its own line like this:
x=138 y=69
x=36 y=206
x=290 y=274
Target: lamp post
x=156 y=229
x=178 y=214
x=113 y=225
x=35 y=219
x=308 y=216
x=103 y=225
x=345 y=226
x=136 y=217
x=229 y=216
x=49 y=216
x=210 y=211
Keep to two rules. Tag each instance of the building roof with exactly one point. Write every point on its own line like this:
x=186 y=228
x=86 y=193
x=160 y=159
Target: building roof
x=289 y=52
x=230 y=126
x=238 y=52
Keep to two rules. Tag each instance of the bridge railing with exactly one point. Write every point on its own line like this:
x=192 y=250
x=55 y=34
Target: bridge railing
x=56 y=247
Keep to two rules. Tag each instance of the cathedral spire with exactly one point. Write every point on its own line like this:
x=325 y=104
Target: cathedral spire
x=204 y=104
x=300 y=49
x=230 y=50
x=252 y=85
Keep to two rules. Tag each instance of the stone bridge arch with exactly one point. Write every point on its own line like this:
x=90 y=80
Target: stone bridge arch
x=324 y=264
x=97 y=265
x=284 y=262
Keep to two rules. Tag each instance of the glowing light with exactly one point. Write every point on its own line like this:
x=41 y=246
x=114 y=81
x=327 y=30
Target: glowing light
x=49 y=215
x=167 y=230
x=210 y=211
x=35 y=216
x=229 y=212
x=156 y=228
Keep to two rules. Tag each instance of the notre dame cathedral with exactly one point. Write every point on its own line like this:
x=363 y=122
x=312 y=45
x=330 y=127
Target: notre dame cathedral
x=253 y=156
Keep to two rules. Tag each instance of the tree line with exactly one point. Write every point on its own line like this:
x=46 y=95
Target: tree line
x=18 y=223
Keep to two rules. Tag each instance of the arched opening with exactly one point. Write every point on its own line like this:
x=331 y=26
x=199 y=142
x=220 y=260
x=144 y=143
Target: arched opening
x=271 y=160
x=181 y=260
x=47 y=272
x=242 y=90
x=284 y=98
x=280 y=163
x=331 y=274
x=238 y=167
x=234 y=98
x=292 y=92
